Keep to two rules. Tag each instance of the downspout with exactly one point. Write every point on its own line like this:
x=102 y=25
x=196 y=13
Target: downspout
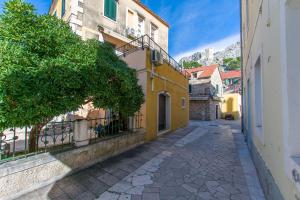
x=242 y=69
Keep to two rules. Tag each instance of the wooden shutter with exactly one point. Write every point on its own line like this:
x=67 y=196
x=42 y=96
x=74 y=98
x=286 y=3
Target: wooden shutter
x=63 y=7
x=110 y=9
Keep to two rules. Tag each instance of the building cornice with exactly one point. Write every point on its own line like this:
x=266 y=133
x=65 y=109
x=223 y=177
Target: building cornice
x=151 y=12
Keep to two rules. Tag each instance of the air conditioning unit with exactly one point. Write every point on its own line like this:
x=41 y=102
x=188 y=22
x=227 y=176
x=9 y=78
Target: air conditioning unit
x=156 y=58
x=130 y=32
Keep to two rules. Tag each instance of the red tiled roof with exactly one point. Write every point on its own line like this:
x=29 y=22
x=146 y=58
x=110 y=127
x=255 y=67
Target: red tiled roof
x=231 y=74
x=207 y=71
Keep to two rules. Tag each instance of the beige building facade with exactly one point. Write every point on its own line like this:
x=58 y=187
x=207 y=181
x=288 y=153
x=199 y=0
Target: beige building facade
x=115 y=21
x=271 y=85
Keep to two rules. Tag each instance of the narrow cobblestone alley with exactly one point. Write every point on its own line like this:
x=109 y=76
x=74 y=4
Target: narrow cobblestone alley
x=205 y=161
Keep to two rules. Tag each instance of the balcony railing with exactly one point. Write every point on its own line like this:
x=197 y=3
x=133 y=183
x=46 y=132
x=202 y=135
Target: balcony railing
x=147 y=42
x=59 y=136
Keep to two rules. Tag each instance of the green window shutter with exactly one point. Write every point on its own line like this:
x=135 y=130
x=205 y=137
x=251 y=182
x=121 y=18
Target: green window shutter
x=110 y=9
x=114 y=10
x=63 y=8
x=106 y=8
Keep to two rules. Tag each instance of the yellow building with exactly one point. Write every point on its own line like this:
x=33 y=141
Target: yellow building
x=271 y=85
x=231 y=105
x=140 y=37
x=165 y=86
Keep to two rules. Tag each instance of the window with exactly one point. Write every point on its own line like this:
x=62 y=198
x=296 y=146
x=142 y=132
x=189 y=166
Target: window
x=130 y=19
x=141 y=26
x=195 y=75
x=153 y=32
x=63 y=8
x=258 y=93
x=190 y=88
x=217 y=89
x=227 y=81
x=183 y=103
x=110 y=9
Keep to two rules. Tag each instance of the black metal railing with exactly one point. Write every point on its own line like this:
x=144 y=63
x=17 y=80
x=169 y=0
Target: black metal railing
x=102 y=128
x=56 y=136
x=146 y=41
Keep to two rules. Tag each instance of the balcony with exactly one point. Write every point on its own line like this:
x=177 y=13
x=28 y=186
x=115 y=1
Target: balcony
x=146 y=41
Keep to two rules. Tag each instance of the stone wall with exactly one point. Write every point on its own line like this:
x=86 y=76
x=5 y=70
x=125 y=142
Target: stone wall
x=203 y=110
x=25 y=175
x=199 y=110
x=200 y=88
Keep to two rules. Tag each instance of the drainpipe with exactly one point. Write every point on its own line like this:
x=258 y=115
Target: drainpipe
x=242 y=69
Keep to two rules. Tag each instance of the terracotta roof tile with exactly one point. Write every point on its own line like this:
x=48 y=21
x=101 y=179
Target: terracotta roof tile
x=207 y=71
x=231 y=74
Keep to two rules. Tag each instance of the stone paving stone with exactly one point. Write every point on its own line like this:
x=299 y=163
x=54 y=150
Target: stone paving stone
x=204 y=195
x=127 y=168
x=55 y=192
x=94 y=185
x=108 y=179
x=95 y=171
x=120 y=174
x=136 y=197
x=74 y=190
x=150 y=196
x=151 y=189
x=63 y=197
x=86 y=196
x=199 y=162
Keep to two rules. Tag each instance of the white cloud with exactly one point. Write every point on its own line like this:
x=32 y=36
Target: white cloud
x=217 y=46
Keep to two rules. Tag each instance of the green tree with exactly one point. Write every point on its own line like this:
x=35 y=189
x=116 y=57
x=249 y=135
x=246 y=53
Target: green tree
x=47 y=70
x=190 y=64
x=232 y=63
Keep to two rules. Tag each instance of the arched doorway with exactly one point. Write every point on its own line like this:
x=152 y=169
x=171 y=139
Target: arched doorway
x=164 y=112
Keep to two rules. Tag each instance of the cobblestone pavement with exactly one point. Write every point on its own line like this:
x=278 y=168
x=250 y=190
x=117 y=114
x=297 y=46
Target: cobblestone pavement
x=205 y=161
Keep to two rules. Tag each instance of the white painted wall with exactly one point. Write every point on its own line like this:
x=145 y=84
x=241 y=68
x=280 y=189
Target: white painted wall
x=217 y=80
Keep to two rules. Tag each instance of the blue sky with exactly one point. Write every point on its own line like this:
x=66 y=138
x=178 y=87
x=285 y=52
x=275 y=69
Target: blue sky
x=194 y=24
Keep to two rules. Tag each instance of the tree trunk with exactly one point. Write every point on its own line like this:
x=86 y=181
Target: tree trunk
x=34 y=137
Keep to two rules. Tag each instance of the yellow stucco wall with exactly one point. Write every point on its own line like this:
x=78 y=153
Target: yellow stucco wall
x=265 y=37
x=165 y=78
x=231 y=105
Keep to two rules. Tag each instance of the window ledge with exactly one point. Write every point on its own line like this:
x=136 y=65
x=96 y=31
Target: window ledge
x=114 y=21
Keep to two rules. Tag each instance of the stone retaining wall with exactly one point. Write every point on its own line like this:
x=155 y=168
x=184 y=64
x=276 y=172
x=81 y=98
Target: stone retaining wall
x=25 y=175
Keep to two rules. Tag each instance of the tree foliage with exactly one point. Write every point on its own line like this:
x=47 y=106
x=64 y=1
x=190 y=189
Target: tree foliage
x=47 y=70
x=190 y=64
x=232 y=63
